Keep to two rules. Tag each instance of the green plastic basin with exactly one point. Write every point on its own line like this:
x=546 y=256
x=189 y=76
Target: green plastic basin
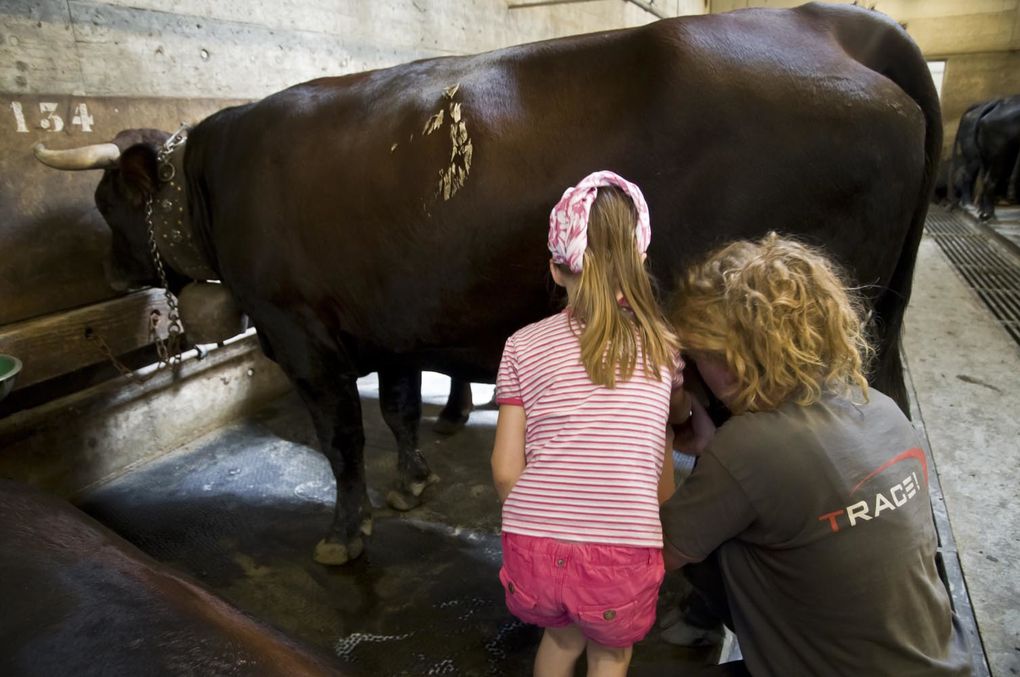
x=9 y=368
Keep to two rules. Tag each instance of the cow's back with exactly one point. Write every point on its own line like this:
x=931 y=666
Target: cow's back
x=327 y=198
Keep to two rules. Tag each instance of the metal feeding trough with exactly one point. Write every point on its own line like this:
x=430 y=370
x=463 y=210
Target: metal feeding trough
x=10 y=367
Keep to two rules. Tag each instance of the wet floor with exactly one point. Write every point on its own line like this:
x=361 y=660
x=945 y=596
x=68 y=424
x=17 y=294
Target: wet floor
x=241 y=510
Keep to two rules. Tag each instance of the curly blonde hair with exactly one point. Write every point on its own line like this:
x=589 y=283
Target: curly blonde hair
x=781 y=316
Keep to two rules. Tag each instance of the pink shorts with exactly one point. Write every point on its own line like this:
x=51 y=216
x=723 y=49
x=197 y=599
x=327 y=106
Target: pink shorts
x=608 y=591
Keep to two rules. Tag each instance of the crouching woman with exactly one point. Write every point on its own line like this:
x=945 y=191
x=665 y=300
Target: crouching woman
x=806 y=524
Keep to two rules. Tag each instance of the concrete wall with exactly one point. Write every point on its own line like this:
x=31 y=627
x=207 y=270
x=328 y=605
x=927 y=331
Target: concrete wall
x=242 y=49
x=978 y=40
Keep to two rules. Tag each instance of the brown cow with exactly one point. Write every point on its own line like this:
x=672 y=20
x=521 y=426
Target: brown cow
x=395 y=220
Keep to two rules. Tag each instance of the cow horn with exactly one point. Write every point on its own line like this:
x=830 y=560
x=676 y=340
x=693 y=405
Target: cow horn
x=96 y=156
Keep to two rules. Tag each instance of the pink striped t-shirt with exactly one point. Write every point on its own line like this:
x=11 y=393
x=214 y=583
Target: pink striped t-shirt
x=593 y=454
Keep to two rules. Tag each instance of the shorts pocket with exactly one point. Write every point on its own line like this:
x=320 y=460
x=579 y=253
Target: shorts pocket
x=520 y=602
x=606 y=616
x=616 y=625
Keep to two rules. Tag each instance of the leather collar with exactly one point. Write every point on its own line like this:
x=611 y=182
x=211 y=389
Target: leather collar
x=174 y=234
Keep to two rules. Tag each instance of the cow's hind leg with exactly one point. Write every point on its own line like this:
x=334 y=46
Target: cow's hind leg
x=458 y=407
x=336 y=413
x=400 y=401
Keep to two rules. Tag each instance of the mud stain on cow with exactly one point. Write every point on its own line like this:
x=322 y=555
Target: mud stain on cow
x=453 y=177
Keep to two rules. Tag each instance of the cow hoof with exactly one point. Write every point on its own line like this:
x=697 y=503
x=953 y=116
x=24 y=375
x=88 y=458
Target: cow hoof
x=366 y=526
x=449 y=426
x=418 y=487
x=402 y=501
x=335 y=554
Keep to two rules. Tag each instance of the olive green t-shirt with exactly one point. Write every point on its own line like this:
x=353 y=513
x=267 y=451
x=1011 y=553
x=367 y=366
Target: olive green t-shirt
x=823 y=524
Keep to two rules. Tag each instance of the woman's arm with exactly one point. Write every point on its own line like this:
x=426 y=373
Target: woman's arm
x=680 y=406
x=508 y=452
x=694 y=436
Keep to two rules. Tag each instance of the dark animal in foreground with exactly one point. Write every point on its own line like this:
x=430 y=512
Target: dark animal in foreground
x=80 y=600
x=395 y=220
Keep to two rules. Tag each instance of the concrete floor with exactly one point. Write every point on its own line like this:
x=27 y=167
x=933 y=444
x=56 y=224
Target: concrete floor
x=241 y=509
x=1007 y=224
x=965 y=370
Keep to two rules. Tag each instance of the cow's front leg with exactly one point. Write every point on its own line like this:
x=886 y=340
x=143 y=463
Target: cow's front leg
x=327 y=382
x=336 y=412
x=400 y=401
x=457 y=410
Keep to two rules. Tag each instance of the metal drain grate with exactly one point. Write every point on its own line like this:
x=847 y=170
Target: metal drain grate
x=990 y=271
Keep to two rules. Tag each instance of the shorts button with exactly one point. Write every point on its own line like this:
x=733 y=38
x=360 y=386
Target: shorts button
x=560 y=563
x=510 y=587
x=609 y=615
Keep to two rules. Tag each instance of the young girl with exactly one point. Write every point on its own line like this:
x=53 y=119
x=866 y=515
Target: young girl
x=810 y=505
x=578 y=460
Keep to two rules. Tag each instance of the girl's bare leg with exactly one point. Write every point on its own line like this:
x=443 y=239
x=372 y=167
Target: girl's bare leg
x=558 y=652
x=608 y=661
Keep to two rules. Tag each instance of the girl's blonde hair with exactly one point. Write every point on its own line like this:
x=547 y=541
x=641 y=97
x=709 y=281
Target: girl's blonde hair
x=781 y=316
x=614 y=336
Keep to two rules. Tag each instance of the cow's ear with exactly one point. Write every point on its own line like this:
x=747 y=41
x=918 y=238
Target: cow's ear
x=138 y=172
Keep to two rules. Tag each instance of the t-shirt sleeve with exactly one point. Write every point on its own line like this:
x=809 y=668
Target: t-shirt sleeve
x=508 y=385
x=708 y=509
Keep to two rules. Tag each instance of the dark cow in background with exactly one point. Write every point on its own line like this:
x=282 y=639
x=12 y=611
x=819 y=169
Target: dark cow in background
x=80 y=600
x=395 y=220
x=998 y=141
x=985 y=165
x=965 y=165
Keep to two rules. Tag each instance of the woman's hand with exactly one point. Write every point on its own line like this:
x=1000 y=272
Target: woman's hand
x=694 y=435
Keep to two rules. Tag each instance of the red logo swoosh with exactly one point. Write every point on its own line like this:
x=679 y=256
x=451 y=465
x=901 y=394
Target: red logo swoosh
x=909 y=453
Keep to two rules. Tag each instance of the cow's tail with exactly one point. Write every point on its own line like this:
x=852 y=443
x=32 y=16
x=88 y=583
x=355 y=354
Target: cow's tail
x=879 y=43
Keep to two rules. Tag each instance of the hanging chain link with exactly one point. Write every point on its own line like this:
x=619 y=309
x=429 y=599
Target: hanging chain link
x=168 y=350
x=92 y=335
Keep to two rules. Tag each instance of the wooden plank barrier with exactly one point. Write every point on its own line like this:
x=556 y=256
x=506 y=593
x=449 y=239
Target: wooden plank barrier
x=57 y=344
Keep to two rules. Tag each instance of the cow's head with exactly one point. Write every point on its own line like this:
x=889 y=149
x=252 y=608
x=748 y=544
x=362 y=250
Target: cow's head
x=129 y=178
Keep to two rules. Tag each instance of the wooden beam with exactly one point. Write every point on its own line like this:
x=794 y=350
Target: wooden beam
x=68 y=444
x=58 y=344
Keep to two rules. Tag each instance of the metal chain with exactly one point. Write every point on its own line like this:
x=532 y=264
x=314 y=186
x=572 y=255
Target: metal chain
x=168 y=350
x=104 y=347
x=171 y=144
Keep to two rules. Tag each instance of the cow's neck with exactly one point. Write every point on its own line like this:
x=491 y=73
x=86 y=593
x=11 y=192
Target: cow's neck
x=174 y=234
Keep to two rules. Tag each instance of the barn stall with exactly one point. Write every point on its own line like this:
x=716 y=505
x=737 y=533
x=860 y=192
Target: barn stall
x=209 y=466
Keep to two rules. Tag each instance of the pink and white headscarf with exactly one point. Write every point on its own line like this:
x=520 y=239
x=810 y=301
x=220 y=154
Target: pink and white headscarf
x=568 y=222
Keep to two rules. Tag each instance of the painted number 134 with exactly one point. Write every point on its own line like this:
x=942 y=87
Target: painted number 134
x=50 y=120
